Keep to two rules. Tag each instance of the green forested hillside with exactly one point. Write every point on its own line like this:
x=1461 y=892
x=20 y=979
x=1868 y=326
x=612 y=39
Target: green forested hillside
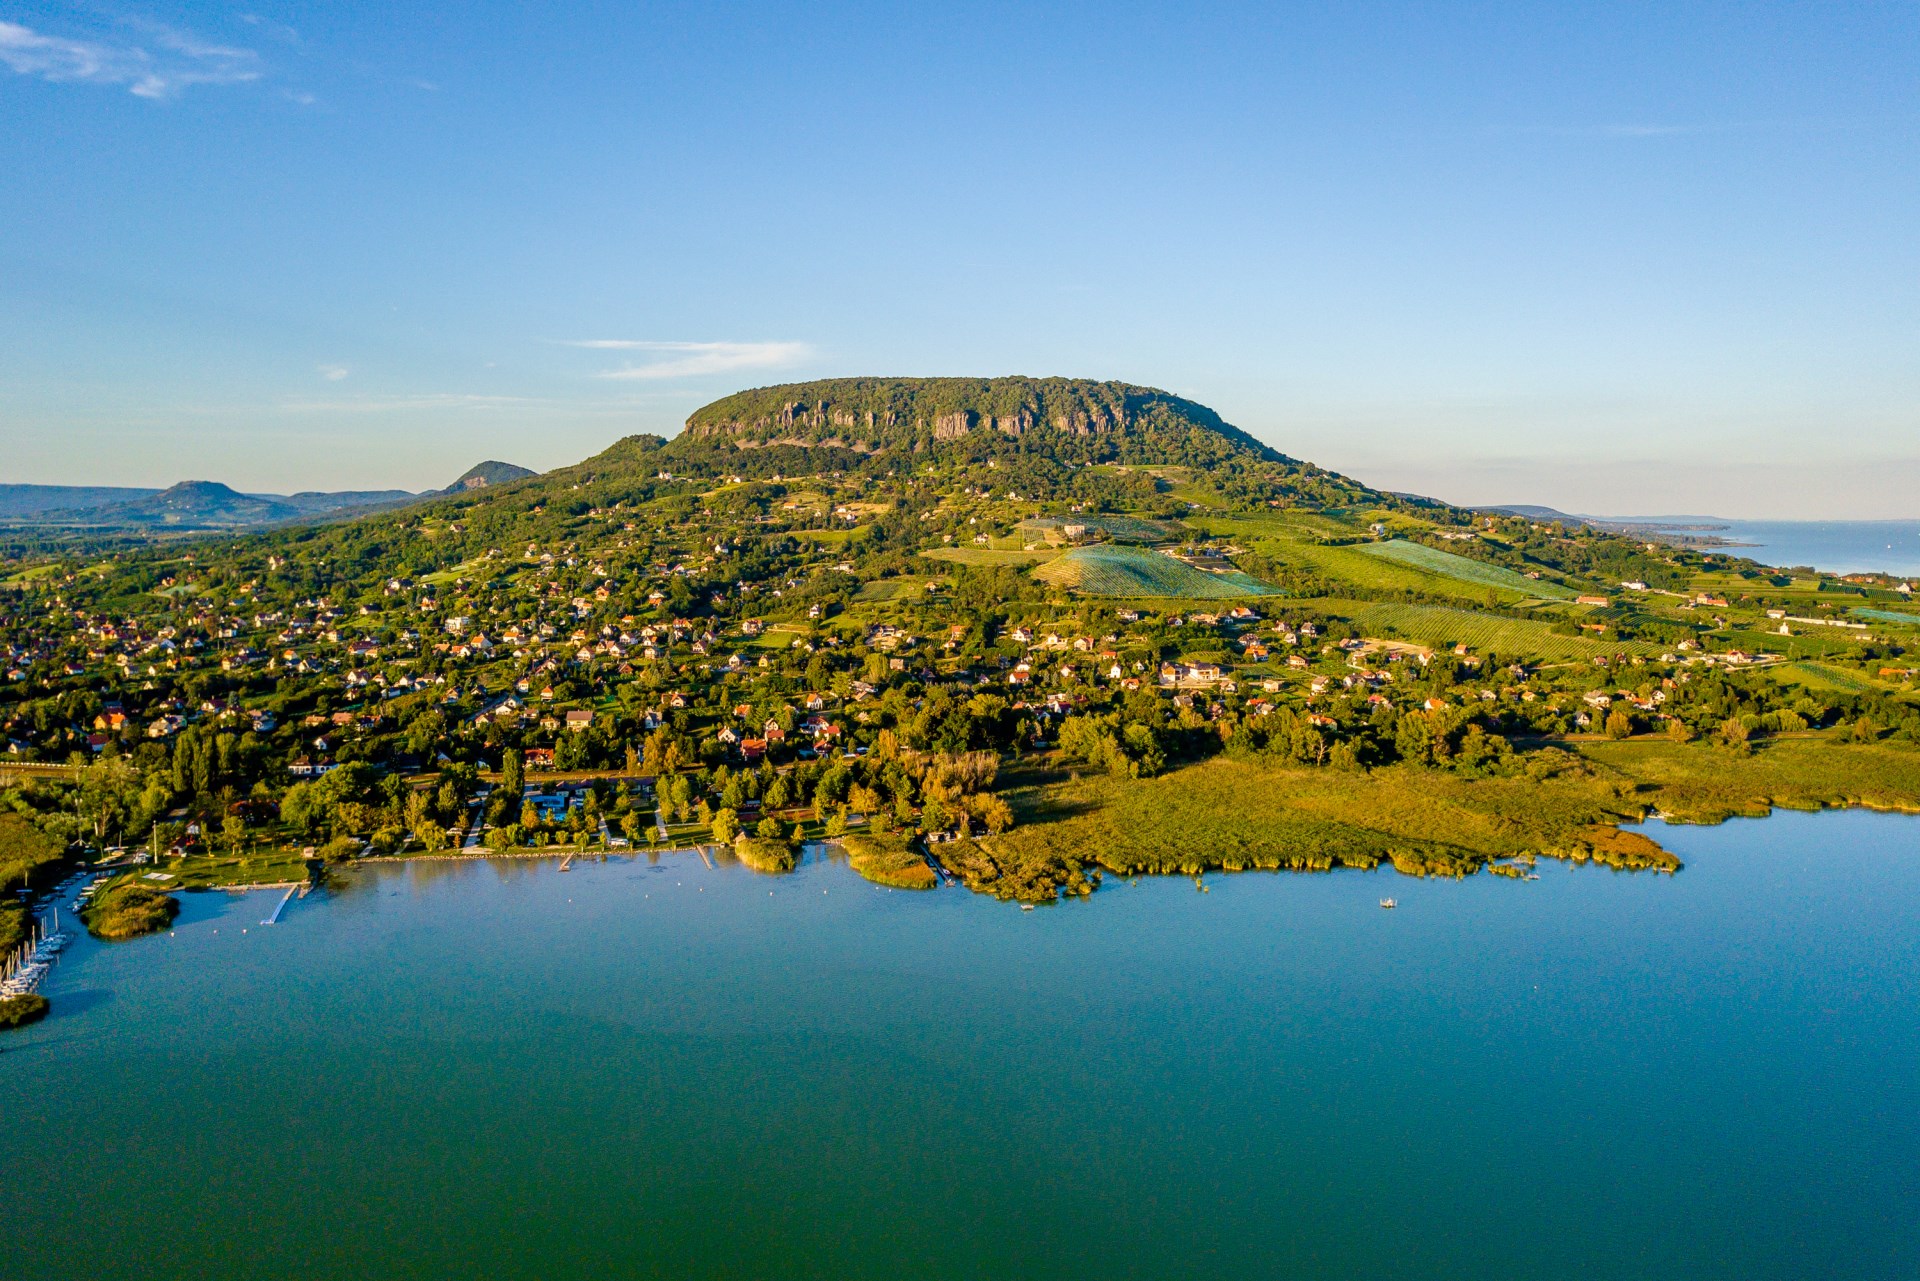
x=849 y=602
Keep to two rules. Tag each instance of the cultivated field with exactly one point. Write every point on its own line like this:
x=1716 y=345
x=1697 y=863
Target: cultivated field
x=1125 y=529
x=1110 y=570
x=1441 y=627
x=990 y=555
x=1464 y=569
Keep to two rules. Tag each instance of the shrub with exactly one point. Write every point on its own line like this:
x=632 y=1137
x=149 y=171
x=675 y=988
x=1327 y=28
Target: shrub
x=18 y=1011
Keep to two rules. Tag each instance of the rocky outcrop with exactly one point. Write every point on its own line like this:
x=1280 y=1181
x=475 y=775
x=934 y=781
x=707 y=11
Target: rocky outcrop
x=1108 y=420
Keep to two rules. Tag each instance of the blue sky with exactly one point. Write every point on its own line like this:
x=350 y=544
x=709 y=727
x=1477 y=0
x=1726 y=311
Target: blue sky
x=1614 y=258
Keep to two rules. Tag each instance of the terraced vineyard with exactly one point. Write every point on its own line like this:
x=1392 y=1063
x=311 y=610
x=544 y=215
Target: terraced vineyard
x=1886 y=616
x=1465 y=569
x=1441 y=627
x=1823 y=679
x=1111 y=570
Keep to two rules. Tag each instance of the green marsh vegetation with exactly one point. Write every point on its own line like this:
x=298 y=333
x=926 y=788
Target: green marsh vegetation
x=888 y=858
x=128 y=908
x=765 y=854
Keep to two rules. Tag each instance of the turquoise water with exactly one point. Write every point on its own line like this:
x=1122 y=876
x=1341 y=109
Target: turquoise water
x=501 y=1070
x=1835 y=546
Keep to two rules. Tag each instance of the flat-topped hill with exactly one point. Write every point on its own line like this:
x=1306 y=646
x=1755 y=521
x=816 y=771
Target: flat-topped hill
x=1069 y=418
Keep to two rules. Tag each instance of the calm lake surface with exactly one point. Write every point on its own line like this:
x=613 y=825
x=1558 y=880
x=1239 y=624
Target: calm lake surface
x=1836 y=546
x=501 y=1070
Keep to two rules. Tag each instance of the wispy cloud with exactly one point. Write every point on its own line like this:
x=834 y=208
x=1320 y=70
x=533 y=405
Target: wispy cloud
x=278 y=30
x=334 y=373
x=159 y=66
x=695 y=359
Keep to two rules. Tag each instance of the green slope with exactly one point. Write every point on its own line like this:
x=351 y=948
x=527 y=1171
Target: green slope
x=1464 y=569
x=1111 y=570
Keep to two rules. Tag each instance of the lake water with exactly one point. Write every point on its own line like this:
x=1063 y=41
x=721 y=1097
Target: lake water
x=1835 y=546
x=666 y=1070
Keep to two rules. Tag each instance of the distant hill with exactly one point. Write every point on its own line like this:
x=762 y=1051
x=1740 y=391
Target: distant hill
x=205 y=505
x=491 y=472
x=197 y=504
x=21 y=501
x=1070 y=419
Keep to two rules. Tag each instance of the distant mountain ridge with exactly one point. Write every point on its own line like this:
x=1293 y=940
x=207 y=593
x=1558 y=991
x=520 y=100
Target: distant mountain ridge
x=212 y=506
x=17 y=501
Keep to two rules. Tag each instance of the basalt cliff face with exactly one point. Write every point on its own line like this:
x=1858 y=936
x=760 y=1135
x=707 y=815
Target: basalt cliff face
x=1072 y=418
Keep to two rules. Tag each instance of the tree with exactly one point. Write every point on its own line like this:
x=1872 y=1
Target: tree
x=234 y=829
x=1619 y=723
x=1678 y=732
x=108 y=791
x=726 y=825
x=512 y=772
x=993 y=812
x=769 y=828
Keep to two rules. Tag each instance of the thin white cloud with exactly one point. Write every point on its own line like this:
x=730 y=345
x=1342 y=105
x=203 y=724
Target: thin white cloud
x=278 y=30
x=166 y=63
x=334 y=373
x=696 y=359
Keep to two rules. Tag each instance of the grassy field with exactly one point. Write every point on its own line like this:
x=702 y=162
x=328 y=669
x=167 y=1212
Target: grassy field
x=1464 y=569
x=990 y=555
x=211 y=871
x=1821 y=678
x=1441 y=627
x=905 y=587
x=1109 y=570
x=441 y=577
x=832 y=537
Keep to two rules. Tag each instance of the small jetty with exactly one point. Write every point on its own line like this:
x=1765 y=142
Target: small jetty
x=281 y=906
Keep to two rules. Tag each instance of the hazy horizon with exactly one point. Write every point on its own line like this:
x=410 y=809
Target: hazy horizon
x=1622 y=262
